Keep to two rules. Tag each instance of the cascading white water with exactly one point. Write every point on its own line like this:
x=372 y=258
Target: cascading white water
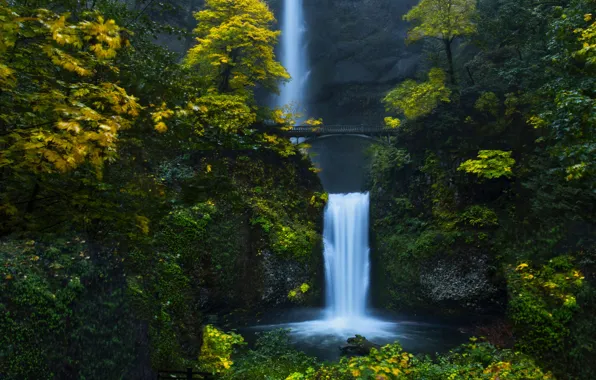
x=293 y=56
x=346 y=254
x=346 y=217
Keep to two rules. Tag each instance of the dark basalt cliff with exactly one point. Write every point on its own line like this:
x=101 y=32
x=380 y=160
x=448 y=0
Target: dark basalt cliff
x=357 y=54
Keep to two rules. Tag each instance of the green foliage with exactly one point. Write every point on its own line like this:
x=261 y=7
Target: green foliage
x=479 y=216
x=64 y=111
x=528 y=89
x=542 y=305
x=392 y=122
x=217 y=350
x=273 y=358
x=480 y=361
x=444 y=19
x=414 y=99
x=59 y=299
x=235 y=46
x=298 y=294
x=588 y=39
x=471 y=361
x=288 y=234
x=490 y=164
x=386 y=162
x=488 y=102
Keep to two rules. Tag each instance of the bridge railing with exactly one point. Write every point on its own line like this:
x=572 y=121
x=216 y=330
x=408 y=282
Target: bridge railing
x=303 y=131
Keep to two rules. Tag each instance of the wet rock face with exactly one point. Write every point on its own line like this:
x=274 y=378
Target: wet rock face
x=357 y=54
x=465 y=280
x=280 y=276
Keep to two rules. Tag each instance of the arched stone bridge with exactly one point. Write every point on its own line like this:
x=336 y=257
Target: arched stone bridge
x=366 y=131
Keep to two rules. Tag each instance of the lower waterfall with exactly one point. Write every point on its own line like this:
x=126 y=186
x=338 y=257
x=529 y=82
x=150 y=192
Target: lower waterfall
x=346 y=254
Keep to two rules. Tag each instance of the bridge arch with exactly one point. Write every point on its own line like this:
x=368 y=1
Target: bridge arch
x=311 y=133
x=374 y=139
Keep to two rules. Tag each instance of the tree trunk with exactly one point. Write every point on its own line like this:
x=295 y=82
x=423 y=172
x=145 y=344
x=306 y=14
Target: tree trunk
x=450 y=70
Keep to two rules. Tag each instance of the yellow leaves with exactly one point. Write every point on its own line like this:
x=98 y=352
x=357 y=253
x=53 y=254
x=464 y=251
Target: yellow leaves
x=208 y=169
x=577 y=274
x=392 y=122
x=443 y=19
x=217 y=348
x=314 y=122
x=64 y=34
x=497 y=370
x=66 y=61
x=105 y=35
x=6 y=76
x=270 y=138
x=490 y=164
x=226 y=363
x=143 y=224
x=235 y=47
x=121 y=102
x=101 y=37
x=414 y=99
x=8 y=277
x=284 y=117
x=162 y=113
x=78 y=119
x=71 y=126
x=161 y=127
x=158 y=116
x=588 y=40
x=229 y=113
x=570 y=301
x=550 y=285
x=80 y=132
x=537 y=122
x=521 y=267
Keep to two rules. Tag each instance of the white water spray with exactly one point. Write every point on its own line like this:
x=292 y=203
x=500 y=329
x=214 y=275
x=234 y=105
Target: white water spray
x=347 y=268
x=347 y=254
x=293 y=56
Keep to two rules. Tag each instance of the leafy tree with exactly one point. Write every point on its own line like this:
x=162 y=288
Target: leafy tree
x=445 y=20
x=490 y=164
x=235 y=47
x=64 y=111
x=570 y=113
x=414 y=99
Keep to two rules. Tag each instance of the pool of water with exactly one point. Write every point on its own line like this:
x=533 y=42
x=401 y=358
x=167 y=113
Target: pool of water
x=313 y=332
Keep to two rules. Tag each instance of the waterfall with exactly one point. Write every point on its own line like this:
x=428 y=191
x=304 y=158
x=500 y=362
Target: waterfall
x=346 y=254
x=347 y=267
x=293 y=56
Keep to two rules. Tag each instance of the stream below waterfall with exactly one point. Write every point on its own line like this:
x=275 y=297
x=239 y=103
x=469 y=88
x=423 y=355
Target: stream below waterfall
x=314 y=334
x=320 y=332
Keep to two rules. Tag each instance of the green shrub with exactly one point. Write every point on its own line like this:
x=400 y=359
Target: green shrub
x=59 y=300
x=470 y=361
x=542 y=303
x=272 y=358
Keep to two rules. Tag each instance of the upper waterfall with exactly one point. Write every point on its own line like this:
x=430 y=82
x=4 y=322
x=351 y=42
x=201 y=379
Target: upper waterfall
x=293 y=56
